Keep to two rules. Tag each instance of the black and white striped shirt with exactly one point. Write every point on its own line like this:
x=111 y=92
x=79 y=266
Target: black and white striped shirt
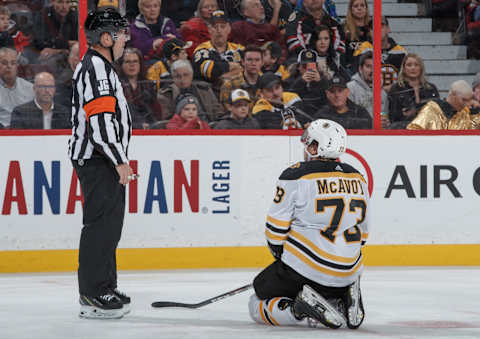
x=100 y=116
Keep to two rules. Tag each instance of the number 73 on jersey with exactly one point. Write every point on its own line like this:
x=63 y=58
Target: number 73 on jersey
x=341 y=206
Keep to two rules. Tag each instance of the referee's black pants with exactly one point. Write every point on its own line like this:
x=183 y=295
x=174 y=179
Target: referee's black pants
x=103 y=213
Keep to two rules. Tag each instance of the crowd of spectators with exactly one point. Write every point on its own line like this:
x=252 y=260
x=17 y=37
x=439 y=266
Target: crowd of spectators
x=226 y=64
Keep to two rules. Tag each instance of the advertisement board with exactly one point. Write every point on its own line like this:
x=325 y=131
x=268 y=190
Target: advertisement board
x=201 y=191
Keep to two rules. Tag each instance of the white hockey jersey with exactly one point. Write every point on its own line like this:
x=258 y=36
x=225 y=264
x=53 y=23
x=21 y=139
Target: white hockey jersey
x=320 y=216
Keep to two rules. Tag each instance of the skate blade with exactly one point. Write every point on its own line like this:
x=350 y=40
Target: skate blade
x=331 y=315
x=90 y=312
x=355 y=314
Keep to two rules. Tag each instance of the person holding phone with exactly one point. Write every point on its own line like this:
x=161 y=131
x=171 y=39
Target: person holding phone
x=308 y=82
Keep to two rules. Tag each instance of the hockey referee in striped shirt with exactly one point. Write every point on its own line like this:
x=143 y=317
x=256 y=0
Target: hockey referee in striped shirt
x=98 y=149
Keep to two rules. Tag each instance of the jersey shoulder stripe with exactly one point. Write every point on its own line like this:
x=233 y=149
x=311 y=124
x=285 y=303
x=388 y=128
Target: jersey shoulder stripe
x=302 y=169
x=204 y=45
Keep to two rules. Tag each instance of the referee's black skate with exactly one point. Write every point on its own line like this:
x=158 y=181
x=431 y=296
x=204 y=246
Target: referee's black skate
x=309 y=303
x=124 y=299
x=105 y=306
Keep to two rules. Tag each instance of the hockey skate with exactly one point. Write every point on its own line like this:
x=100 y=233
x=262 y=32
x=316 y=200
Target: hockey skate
x=102 y=307
x=309 y=303
x=354 y=306
x=124 y=299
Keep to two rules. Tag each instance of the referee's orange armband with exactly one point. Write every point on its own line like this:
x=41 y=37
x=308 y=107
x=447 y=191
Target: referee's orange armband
x=100 y=105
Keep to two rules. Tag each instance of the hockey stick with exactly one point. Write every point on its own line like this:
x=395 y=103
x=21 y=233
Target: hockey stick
x=203 y=303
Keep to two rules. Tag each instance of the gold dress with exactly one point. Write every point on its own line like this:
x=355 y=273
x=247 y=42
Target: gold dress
x=432 y=117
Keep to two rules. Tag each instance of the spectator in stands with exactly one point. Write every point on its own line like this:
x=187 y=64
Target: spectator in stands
x=172 y=50
x=254 y=30
x=308 y=82
x=196 y=29
x=55 y=29
x=410 y=92
x=150 y=28
x=239 y=103
x=218 y=58
x=10 y=34
x=361 y=86
x=277 y=12
x=186 y=115
x=141 y=93
x=392 y=54
x=302 y=24
x=276 y=109
x=340 y=109
x=5 y=39
x=231 y=9
x=182 y=74
x=328 y=6
x=42 y=112
x=330 y=61
x=472 y=20
x=252 y=62
x=179 y=11
x=14 y=91
x=63 y=93
x=451 y=113
x=356 y=28
x=272 y=52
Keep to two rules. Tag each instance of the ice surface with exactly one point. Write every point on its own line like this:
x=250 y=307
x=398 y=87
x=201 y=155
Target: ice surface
x=399 y=302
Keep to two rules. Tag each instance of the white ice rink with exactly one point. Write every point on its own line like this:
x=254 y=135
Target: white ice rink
x=399 y=303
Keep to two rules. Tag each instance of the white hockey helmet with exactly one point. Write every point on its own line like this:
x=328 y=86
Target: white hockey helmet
x=330 y=136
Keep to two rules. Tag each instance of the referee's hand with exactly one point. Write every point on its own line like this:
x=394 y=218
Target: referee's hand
x=124 y=171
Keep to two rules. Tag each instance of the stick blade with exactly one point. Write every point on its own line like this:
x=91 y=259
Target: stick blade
x=161 y=304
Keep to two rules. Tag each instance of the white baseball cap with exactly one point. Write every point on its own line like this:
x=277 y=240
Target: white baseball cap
x=239 y=94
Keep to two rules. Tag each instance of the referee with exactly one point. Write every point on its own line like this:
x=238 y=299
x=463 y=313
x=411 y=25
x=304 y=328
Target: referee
x=98 y=149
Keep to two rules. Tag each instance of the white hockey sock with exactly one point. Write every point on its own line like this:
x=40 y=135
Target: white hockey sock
x=268 y=312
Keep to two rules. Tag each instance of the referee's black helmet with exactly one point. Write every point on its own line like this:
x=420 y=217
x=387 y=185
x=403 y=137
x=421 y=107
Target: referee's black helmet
x=106 y=20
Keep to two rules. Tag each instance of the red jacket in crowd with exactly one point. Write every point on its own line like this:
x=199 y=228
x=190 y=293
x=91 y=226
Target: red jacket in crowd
x=196 y=31
x=177 y=122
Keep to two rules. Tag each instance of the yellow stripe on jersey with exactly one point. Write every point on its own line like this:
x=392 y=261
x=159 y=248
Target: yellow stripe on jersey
x=321 y=253
x=278 y=223
x=308 y=261
x=334 y=175
x=364 y=236
x=272 y=236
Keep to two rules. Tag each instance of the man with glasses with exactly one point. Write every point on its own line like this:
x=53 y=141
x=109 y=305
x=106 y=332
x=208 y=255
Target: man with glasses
x=14 y=91
x=41 y=112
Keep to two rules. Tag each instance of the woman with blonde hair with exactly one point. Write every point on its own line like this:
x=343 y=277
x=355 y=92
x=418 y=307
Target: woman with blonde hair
x=356 y=27
x=150 y=29
x=195 y=29
x=411 y=91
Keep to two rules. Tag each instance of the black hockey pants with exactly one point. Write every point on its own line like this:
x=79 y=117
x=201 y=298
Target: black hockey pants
x=103 y=213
